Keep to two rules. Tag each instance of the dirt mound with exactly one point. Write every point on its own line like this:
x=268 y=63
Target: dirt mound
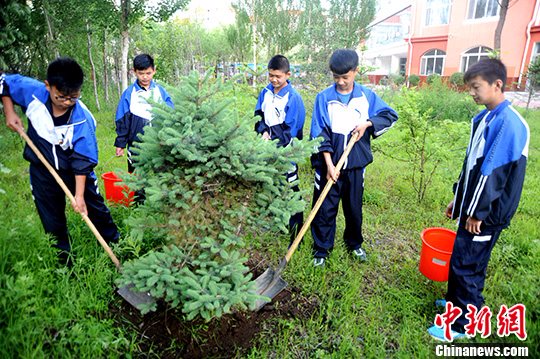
x=169 y=336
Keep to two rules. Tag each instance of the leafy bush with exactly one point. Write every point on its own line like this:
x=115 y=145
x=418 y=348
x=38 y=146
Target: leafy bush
x=533 y=79
x=425 y=143
x=414 y=80
x=444 y=103
x=384 y=81
x=433 y=78
x=397 y=79
x=456 y=79
x=209 y=179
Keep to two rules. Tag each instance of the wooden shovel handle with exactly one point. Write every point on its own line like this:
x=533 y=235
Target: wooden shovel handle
x=320 y=201
x=70 y=196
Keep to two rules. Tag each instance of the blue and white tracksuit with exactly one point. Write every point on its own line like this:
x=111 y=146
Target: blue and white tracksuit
x=282 y=116
x=134 y=112
x=488 y=189
x=69 y=145
x=334 y=121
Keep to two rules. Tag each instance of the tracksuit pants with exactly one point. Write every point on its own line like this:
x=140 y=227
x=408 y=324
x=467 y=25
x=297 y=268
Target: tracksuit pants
x=297 y=220
x=349 y=188
x=467 y=272
x=131 y=166
x=140 y=195
x=50 y=202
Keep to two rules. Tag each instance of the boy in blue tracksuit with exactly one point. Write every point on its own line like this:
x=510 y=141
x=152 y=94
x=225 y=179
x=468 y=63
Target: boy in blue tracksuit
x=282 y=114
x=341 y=110
x=134 y=111
x=63 y=129
x=488 y=190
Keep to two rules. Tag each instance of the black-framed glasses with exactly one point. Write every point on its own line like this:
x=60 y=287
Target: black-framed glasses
x=67 y=98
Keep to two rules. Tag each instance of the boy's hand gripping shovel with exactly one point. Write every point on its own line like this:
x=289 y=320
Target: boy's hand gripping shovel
x=270 y=283
x=132 y=297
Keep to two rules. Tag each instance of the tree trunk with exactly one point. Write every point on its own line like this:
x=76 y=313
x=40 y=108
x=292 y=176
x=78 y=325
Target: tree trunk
x=105 y=67
x=118 y=75
x=254 y=77
x=50 y=30
x=94 y=80
x=498 y=31
x=176 y=71
x=125 y=43
x=124 y=64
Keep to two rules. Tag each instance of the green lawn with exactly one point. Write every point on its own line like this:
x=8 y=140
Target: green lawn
x=376 y=309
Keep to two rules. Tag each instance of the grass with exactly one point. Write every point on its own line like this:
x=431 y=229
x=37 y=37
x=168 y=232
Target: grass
x=47 y=310
x=380 y=308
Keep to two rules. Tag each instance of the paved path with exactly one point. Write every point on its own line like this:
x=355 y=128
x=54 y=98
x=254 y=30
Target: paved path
x=519 y=99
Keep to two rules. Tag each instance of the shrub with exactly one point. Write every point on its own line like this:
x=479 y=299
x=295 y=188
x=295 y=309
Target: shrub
x=533 y=79
x=384 y=81
x=397 y=79
x=456 y=79
x=420 y=141
x=444 y=103
x=209 y=179
x=414 y=80
x=433 y=78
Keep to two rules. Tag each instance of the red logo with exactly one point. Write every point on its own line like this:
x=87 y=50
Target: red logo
x=511 y=321
x=448 y=318
x=479 y=321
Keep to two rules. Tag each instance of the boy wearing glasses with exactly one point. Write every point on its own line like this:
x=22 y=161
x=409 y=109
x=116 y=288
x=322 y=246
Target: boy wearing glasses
x=63 y=129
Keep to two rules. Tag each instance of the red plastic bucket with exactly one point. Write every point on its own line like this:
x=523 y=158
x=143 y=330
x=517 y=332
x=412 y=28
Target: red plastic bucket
x=437 y=246
x=115 y=192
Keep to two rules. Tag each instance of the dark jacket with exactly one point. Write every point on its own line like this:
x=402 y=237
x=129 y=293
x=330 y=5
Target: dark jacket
x=334 y=121
x=68 y=146
x=491 y=179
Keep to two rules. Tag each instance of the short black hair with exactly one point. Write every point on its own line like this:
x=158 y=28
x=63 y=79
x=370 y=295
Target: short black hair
x=490 y=70
x=343 y=61
x=279 y=62
x=143 y=61
x=65 y=74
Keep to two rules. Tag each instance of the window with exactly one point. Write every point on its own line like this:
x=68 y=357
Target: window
x=472 y=56
x=437 y=12
x=384 y=34
x=432 y=62
x=535 y=52
x=483 y=8
x=402 y=65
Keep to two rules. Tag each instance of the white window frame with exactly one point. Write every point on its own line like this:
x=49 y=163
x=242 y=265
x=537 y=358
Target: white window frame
x=466 y=55
x=535 y=52
x=438 y=54
x=473 y=5
x=433 y=9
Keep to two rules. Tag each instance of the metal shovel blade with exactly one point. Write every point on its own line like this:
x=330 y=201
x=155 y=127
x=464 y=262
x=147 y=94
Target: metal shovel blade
x=134 y=297
x=269 y=284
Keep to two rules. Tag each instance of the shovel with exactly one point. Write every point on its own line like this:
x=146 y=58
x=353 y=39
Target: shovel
x=269 y=284
x=132 y=297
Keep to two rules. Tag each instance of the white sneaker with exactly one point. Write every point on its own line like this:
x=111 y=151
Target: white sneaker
x=318 y=262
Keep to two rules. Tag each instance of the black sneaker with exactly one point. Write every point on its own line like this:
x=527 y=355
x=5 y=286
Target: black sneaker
x=360 y=254
x=65 y=258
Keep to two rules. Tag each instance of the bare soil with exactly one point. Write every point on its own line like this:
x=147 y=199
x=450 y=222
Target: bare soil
x=165 y=334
